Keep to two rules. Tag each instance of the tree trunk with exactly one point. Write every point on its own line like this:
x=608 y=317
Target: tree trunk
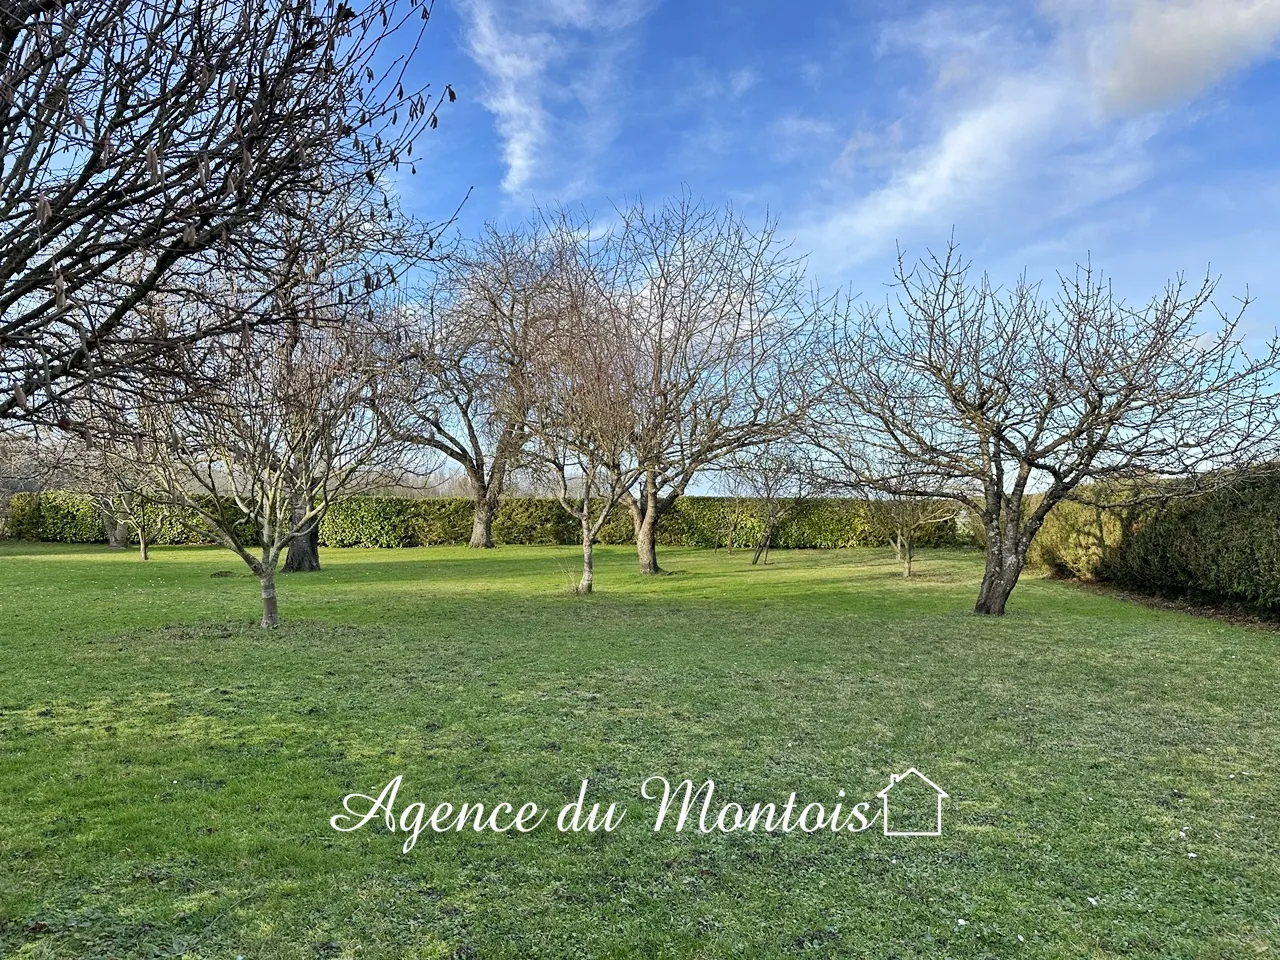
x=908 y=554
x=117 y=532
x=482 y=523
x=304 y=549
x=647 y=541
x=270 y=612
x=144 y=548
x=645 y=511
x=588 y=561
x=1006 y=557
x=762 y=548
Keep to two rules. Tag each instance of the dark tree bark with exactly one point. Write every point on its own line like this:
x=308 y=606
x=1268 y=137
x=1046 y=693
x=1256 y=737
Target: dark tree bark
x=304 y=552
x=304 y=549
x=762 y=548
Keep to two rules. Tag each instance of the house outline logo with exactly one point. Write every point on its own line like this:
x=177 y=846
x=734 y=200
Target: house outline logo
x=895 y=779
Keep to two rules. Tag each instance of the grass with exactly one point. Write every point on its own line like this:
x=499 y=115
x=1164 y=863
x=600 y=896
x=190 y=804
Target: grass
x=168 y=771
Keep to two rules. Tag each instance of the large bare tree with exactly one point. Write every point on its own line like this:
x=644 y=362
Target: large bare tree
x=143 y=143
x=1008 y=401
x=467 y=379
x=720 y=314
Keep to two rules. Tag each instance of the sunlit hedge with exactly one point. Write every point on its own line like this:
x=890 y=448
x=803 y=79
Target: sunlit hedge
x=62 y=517
x=407 y=522
x=691 y=522
x=1221 y=546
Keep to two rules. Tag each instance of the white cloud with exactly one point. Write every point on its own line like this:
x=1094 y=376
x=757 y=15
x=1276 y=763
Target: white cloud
x=1064 y=125
x=1171 y=50
x=535 y=56
x=740 y=81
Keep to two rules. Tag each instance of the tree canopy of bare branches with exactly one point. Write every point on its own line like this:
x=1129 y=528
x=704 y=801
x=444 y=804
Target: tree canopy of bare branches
x=145 y=142
x=720 y=314
x=779 y=478
x=259 y=458
x=1007 y=401
x=583 y=416
x=467 y=377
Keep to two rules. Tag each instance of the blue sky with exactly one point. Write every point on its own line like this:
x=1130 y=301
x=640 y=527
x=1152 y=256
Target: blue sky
x=1142 y=133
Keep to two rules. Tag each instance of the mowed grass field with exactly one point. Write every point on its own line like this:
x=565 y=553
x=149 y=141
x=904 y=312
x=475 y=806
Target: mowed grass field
x=168 y=771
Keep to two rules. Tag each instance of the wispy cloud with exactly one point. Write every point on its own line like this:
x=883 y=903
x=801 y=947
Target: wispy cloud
x=1165 y=50
x=550 y=72
x=1070 y=115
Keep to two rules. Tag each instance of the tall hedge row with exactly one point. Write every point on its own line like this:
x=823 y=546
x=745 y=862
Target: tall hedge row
x=62 y=517
x=1222 y=546
x=405 y=522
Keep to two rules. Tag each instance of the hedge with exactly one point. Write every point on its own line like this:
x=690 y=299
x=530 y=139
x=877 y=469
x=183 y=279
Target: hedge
x=62 y=517
x=691 y=522
x=404 y=522
x=1216 y=547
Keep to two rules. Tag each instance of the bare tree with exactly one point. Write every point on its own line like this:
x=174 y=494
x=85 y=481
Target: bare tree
x=132 y=507
x=466 y=381
x=902 y=521
x=902 y=503
x=290 y=422
x=119 y=481
x=995 y=395
x=583 y=416
x=779 y=479
x=720 y=314
x=145 y=142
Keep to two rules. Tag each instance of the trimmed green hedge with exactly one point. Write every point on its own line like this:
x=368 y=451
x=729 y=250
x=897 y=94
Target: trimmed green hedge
x=58 y=516
x=62 y=517
x=691 y=522
x=406 y=522
x=1216 y=547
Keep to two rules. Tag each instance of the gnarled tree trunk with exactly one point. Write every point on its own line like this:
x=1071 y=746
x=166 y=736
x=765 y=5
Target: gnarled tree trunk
x=117 y=532
x=482 y=522
x=647 y=542
x=304 y=549
x=1006 y=556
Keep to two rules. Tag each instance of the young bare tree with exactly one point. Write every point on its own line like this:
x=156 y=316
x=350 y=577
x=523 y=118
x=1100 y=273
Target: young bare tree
x=779 y=479
x=145 y=142
x=583 y=415
x=902 y=521
x=902 y=503
x=119 y=482
x=466 y=382
x=996 y=395
x=290 y=422
x=720 y=313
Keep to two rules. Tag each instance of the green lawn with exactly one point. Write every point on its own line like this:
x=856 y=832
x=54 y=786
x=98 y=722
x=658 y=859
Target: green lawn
x=168 y=771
